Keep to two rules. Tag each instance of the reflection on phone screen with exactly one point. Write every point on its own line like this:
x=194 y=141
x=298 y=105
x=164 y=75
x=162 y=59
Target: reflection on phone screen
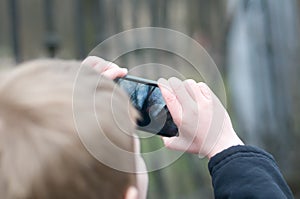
x=148 y=99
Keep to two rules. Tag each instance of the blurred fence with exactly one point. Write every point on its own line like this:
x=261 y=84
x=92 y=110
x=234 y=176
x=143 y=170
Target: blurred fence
x=71 y=28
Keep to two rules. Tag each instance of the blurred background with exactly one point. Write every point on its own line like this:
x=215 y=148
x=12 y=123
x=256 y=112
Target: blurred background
x=255 y=44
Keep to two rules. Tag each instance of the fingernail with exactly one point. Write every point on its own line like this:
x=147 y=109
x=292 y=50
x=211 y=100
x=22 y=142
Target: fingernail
x=205 y=90
x=175 y=83
x=191 y=81
x=96 y=61
x=125 y=70
x=112 y=64
x=162 y=81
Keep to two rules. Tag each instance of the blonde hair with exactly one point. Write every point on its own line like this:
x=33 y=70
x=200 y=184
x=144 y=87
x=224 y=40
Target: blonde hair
x=41 y=155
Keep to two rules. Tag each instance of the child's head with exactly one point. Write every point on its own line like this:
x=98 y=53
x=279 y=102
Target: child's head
x=41 y=155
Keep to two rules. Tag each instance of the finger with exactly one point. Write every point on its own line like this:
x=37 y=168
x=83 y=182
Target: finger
x=100 y=65
x=171 y=143
x=104 y=66
x=181 y=93
x=166 y=90
x=189 y=83
x=92 y=61
x=97 y=63
x=171 y=100
x=201 y=91
x=115 y=72
x=205 y=91
x=177 y=143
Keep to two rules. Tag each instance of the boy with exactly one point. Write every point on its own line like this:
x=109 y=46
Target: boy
x=41 y=155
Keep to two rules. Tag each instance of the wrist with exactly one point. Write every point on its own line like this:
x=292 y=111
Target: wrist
x=226 y=141
x=223 y=146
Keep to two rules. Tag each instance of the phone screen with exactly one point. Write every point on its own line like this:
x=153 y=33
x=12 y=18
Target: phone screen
x=146 y=97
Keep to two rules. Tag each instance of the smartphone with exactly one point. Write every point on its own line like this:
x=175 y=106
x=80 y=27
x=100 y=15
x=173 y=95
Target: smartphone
x=146 y=97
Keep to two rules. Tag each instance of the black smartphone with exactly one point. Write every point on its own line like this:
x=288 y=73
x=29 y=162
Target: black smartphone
x=146 y=97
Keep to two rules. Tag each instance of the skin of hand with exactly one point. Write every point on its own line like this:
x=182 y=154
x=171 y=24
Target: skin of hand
x=204 y=125
x=106 y=68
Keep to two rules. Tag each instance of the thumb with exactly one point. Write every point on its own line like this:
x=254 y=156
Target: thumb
x=115 y=72
x=174 y=143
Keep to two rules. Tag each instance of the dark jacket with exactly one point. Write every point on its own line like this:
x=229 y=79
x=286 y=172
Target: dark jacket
x=247 y=172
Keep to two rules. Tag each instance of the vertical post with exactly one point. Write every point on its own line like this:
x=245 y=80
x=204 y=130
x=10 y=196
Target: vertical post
x=79 y=29
x=52 y=39
x=118 y=24
x=14 y=15
x=99 y=20
x=164 y=13
x=155 y=11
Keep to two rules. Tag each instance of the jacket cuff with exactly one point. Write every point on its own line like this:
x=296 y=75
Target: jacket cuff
x=234 y=152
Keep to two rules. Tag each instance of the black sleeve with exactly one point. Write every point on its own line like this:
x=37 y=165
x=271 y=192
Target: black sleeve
x=247 y=172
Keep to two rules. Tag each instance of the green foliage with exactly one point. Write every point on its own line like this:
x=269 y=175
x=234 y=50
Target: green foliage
x=187 y=177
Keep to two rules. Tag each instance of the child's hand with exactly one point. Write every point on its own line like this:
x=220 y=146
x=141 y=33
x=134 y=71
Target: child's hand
x=106 y=68
x=204 y=125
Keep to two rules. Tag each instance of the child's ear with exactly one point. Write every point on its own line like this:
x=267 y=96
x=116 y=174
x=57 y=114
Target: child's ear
x=131 y=193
